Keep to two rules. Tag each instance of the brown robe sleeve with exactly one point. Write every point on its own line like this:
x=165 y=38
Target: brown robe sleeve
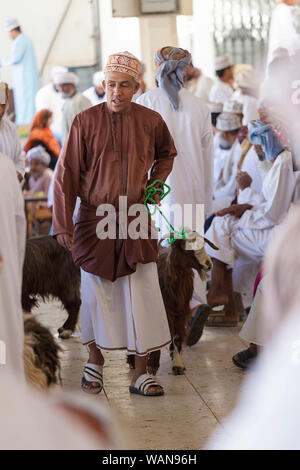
x=67 y=180
x=165 y=152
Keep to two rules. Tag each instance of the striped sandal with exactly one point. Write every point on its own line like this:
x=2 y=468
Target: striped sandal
x=143 y=383
x=92 y=373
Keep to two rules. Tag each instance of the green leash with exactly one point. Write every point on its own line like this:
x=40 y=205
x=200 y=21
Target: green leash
x=150 y=193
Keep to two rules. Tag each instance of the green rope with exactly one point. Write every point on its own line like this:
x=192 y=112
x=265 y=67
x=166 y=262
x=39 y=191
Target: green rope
x=150 y=193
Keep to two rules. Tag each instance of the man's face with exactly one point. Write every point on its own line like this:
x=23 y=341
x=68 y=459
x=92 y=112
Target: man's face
x=228 y=75
x=67 y=90
x=100 y=91
x=37 y=168
x=228 y=138
x=2 y=110
x=260 y=153
x=120 y=88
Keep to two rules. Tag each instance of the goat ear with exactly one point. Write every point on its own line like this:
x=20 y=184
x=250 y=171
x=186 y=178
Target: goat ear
x=214 y=247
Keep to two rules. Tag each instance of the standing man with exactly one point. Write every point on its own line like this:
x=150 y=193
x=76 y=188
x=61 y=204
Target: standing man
x=189 y=122
x=48 y=97
x=96 y=93
x=75 y=102
x=25 y=72
x=108 y=153
x=222 y=90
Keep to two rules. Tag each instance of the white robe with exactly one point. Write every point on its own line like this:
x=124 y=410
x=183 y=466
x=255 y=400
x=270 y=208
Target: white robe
x=48 y=98
x=249 y=235
x=250 y=106
x=12 y=249
x=93 y=97
x=226 y=163
x=283 y=31
x=201 y=87
x=128 y=313
x=191 y=179
x=10 y=144
x=25 y=78
x=220 y=92
x=71 y=108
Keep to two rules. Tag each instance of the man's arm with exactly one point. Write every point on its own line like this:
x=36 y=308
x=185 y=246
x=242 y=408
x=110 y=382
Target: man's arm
x=67 y=184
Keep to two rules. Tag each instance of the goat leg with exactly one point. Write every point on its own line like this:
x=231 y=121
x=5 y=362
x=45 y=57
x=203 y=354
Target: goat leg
x=153 y=362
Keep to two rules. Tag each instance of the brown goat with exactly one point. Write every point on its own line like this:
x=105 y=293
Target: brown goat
x=49 y=272
x=41 y=354
x=176 y=278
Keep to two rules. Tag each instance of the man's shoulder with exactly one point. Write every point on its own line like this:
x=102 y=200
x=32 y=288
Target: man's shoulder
x=8 y=125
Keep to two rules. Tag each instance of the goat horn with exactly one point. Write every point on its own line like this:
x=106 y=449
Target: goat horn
x=214 y=247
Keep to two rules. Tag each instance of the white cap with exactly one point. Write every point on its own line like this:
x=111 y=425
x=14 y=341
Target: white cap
x=38 y=153
x=57 y=70
x=98 y=78
x=222 y=62
x=11 y=23
x=66 y=77
x=248 y=79
x=232 y=106
x=228 y=122
x=3 y=96
x=215 y=107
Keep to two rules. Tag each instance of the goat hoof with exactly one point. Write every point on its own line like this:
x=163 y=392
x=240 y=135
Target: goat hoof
x=64 y=334
x=152 y=370
x=178 y=370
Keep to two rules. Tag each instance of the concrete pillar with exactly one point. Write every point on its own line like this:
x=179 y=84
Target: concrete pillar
x=156 y=31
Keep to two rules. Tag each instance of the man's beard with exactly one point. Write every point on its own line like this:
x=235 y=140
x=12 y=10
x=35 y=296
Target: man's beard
x=224 y=144
x=98 y=94
x=65 y=96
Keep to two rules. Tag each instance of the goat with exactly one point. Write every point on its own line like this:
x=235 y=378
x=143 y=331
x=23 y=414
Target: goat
x=49 y=271
x=41 y=354
x=176 y=278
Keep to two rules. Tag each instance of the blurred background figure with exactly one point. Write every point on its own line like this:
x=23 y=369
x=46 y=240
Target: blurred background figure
x=247 y=93
x=75 y=102
x=40 y=174
x=198 y=83
x=25 y=72
x=222 y=89
x=41 y=134
x=96 y=93
x=143 y=86
x=9 y=140
x=284 y=28
x=272 y=393
x=12 y=249
x=48 y=97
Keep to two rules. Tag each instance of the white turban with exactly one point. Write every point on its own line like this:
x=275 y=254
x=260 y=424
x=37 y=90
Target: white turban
x=232 y=106
x=38 y=153
x=215 y=107
x=98 y=78
x=3 y=96
x=248 y=79
x=11 y=23
x=222 y=62
x=66 y=77
x=228 y=122
x=57 y=70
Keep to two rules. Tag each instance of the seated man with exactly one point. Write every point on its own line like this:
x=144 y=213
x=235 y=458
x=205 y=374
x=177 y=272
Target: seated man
x=244 y=229
x=41 y=175
x=226 y=159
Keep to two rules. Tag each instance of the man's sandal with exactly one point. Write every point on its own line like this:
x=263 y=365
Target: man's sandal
x=244 y=359
x=142 y=385
x=92 y=373
x=196 y=325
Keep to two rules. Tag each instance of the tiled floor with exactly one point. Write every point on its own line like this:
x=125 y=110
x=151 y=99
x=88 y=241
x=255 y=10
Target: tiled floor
x=194 y=404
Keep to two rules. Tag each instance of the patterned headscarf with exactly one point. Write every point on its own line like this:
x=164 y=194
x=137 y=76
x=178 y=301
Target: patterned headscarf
x=264 y=135
x=173 y=63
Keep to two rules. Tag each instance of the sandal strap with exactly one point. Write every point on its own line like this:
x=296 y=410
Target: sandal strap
x=145 y=381
x=93 y=373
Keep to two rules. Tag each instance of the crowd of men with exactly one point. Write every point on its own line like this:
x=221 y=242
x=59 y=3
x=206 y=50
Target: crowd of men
x=231 y=146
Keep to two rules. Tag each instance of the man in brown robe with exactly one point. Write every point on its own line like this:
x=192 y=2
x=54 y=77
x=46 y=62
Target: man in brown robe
x=108 y=153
